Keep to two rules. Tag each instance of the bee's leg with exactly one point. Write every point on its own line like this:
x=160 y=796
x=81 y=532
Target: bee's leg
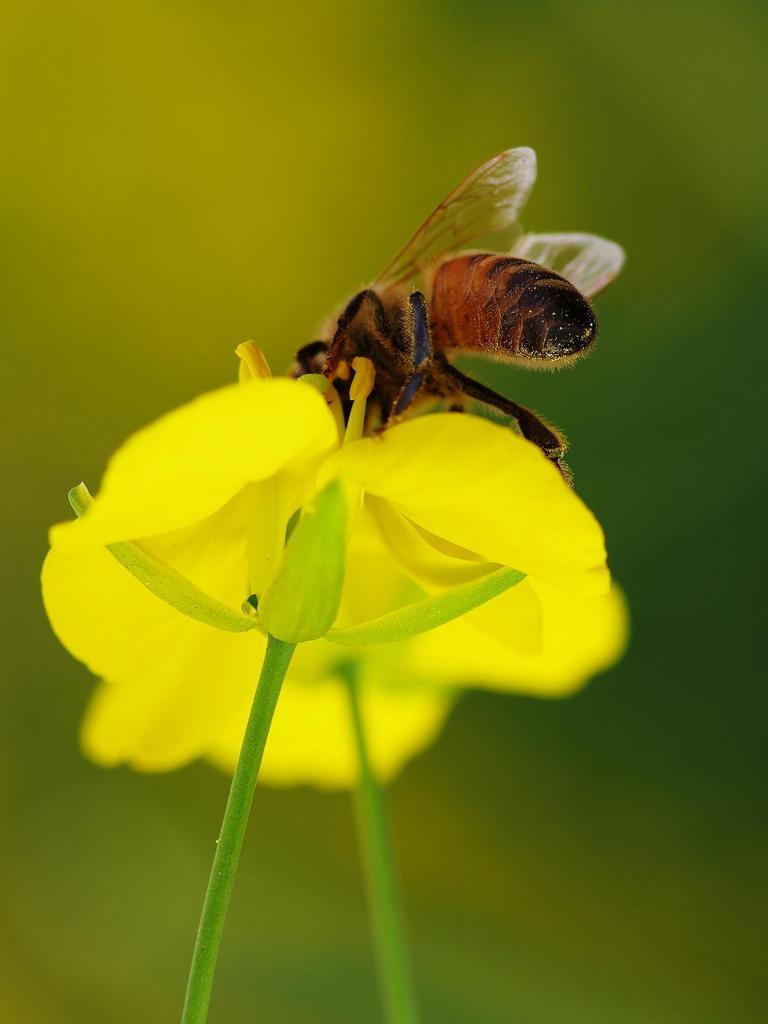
x=417 y=342
x=310 y=358
x=532 y=426
x=364 y=299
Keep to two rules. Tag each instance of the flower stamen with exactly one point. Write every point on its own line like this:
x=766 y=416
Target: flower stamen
x=359 y=390
x=253 y=362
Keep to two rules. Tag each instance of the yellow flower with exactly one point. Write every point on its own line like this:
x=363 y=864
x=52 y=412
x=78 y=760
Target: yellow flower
x=209 y=489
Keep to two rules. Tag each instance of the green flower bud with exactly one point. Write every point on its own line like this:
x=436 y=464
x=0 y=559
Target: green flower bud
x=302 y=601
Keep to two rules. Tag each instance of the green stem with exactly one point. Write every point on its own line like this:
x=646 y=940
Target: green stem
x=384 y=903
x=276 y=661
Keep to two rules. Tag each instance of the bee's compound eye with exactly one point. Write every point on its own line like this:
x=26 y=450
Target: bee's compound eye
x=561 y=324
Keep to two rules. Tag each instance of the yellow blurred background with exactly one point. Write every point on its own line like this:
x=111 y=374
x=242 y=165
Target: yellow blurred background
x=177 y=177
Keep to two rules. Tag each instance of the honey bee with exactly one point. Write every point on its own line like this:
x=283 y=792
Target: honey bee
x=528 y=305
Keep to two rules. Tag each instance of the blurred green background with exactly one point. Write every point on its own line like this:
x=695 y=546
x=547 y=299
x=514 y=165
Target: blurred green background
x=178 y=177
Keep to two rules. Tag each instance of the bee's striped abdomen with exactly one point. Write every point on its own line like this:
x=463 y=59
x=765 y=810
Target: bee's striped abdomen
x=508 y=308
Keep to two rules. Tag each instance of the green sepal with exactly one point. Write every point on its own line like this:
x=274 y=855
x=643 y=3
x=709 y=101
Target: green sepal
x=302 y=601
x=430 y=613
x=167 y=584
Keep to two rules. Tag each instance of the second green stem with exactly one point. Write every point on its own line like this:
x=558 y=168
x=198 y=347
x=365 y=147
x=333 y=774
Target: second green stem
x=384 y=902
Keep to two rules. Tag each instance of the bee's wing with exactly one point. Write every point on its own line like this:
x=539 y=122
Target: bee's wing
x=587 y=261
x=488 y=200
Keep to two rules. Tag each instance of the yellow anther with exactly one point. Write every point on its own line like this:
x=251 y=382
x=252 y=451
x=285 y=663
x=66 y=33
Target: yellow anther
x=365 y=377
x=253 y=363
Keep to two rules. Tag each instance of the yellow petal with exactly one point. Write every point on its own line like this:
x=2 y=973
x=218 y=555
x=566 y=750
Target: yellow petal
x=533 y=639
x=168 y=676
x=169 y=715
x=192 y=461
x=426 y=558
x=483 y=488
